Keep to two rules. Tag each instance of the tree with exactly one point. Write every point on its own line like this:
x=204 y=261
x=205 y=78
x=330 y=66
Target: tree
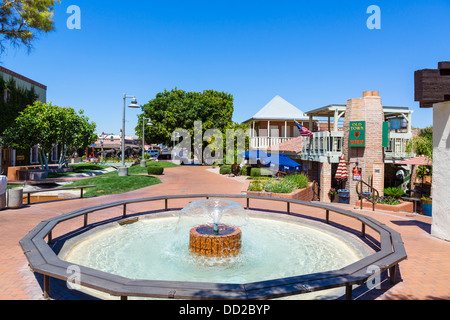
x=423 y=143
x=45 y=125
x=21 y=21
x=178 y=109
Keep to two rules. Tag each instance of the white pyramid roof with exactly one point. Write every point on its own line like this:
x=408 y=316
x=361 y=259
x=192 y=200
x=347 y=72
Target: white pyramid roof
x=279 y=109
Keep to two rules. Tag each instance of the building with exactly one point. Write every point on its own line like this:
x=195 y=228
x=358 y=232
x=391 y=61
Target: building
x=24 y=82
x=432 y=90
x=279 y=116
x=18 y=158
x=373 y=156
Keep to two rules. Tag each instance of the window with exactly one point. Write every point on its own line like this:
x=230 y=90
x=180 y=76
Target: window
x=6 y=95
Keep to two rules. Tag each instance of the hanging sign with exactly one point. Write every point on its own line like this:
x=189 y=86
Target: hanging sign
x=357 y=173
x=357 y=134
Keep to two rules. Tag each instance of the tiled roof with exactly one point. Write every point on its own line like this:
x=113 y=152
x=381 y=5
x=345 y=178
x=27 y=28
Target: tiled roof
x=293 y=145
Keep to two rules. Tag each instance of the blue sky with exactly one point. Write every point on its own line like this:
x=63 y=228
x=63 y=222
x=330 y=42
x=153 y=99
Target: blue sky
x=311 y=53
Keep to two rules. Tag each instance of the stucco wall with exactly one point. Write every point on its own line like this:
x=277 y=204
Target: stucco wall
x=441 y=171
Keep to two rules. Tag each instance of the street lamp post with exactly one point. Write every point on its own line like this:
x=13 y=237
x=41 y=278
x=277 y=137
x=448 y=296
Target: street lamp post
x=123 y=171
x=149 y=123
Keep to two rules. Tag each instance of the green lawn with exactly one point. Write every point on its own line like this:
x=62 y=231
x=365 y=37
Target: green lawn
x=111 y=183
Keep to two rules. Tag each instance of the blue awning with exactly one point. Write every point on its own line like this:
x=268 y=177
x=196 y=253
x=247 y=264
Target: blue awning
x=283 y=161
x=253 y=154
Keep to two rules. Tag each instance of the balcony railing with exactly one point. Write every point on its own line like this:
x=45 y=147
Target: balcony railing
x=266 y=142
x=324 y=146
x=397 y=147
x=327 y=146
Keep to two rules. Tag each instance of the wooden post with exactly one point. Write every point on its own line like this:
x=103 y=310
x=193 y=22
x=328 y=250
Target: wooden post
x=248 y=203
x=29 y=198
x=50 y=237
x=85 y=220
x=348 y=292
x=46 y=287
x=393 y=273
x=81 y=193
x=363 y=230
x=288 y=207
x=124 y=215
x=327 y=218
x=166 y=204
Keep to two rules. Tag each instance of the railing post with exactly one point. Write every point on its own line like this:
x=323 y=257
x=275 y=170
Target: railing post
x=393 y=273
x=29 y=198
x=363 y=230
x=348 y=292
x=85 y=220
x=46 y=287
x=248 y=203
x=124 y=215
x=166 y=204
x=50 y=238
x=288 y=207
x=327 y=216
x=81 y=193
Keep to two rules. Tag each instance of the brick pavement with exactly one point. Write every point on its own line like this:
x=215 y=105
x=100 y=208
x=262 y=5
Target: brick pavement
x=424 y=275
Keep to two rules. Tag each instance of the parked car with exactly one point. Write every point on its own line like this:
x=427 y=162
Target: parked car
x=153 y=153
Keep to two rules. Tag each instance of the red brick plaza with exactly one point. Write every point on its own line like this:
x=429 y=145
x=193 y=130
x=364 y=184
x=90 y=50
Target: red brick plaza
x=424 y=275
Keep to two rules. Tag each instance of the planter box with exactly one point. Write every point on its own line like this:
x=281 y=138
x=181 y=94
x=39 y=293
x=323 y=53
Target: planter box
x=404 y=206
x=305 y=194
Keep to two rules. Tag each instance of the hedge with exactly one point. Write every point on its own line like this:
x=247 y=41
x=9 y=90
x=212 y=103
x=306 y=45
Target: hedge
x=154 y=170
x=225 y=169
x=258 y=172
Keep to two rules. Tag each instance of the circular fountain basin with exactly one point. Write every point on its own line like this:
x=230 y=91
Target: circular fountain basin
x=273 y=247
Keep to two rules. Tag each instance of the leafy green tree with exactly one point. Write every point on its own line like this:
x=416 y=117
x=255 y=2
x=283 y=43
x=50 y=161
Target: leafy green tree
x=45 y=125
x=423 y=143
x=178 y=109
x=22 y=20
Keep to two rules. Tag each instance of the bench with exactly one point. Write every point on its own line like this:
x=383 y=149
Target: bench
x=29 y=193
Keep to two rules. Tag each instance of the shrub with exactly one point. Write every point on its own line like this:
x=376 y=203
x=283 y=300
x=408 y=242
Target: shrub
x=255 y=186
x=258 y=172
x=154 y=170
x=394 y=192
x=287 y=184
x=245 y=170
x=300 y=181
x=225 y=169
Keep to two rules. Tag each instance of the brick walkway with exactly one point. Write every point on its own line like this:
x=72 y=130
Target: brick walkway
x=425 y=275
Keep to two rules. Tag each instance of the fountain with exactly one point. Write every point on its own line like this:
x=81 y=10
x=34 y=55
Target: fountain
x=215 y=239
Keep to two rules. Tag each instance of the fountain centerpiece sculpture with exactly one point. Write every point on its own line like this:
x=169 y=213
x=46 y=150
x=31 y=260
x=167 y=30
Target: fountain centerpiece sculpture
x=221 y=236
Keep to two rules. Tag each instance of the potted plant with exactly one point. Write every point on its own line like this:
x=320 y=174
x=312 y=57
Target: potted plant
x=427 y=206
x=332 y=194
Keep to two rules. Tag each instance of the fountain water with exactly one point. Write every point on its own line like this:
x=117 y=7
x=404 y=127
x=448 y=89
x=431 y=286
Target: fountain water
x=215 y=239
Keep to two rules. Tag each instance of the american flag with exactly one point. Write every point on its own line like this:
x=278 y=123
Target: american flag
x=304 y=132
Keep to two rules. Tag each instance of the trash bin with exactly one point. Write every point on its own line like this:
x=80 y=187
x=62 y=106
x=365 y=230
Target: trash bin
x=15 y=198
x=344 y=196
x=3 y=187
x=366 y=194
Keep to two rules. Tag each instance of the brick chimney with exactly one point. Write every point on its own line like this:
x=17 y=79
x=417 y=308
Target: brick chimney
x=370 y=158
